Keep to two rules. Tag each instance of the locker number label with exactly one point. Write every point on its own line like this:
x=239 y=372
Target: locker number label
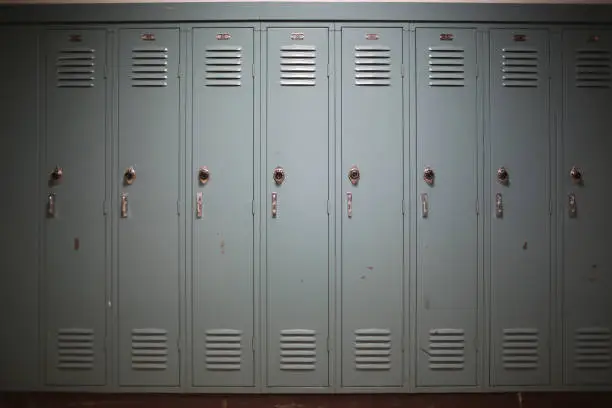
x=372 y=37
x=75 y=38
x=223 y=36
x=147 y=37
x=447 y=37
x=297 y=36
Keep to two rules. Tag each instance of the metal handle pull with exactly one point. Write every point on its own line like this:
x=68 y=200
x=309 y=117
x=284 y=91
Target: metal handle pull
x=124 y=205
x=51 y=205
x=425 y=205
x=199 y=205
x=573 y=210
x=349 y=204
x=499 y=206
x=274 y=199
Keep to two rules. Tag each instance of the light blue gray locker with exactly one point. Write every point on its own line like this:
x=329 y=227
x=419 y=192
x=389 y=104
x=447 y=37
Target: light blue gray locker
x=296 y=207
x=75 y=167
x=586 y=197
x=21 y=211
x=147 y=204
x=518 y=177
x=372 y=220
x=222 y=179
x=447 y=193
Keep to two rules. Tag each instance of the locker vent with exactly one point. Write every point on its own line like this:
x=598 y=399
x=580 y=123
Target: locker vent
x=593 y=348
x=446 y=349
x=446 y=66
x=223 y=350
x=373 y=349
x=76 y=68
x=298 y=350
x=593 y=69
x=520 y=349
x=372 y=65
x=520 y=68
x=149 y=349
x=224 y=66
x=298 y=65
x=75 y=349
x=150 y=67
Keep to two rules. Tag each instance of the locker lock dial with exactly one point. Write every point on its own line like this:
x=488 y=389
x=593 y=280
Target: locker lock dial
x=57 y=174
x=576 y=175
x=278 y=175
x=354 y=175
x=203 y=175
x=502 y=176
x=429 y=175
x=129 y=176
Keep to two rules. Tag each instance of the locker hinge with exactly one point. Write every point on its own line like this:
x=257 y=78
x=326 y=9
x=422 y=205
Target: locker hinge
x=328 y=345
x=253 y=207
x=477 y=207
x=328 y=71
x=328 y=207
x=178 y=345
x=106 y=344
x=253 y=69
x=477 y=70
x=178 y=208
x=105 y=71
x=403 y=70
x=403 y=206
x=104 y=207
x=253 y=343
x=550 y=207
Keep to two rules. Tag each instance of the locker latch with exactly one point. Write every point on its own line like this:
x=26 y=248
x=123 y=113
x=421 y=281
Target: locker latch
x=429 y=175
x=576 y=175
x=499 y=206
x=278 y=175
x=51 y=205
x=124 y=205
x=573 y=210
x=199 y=205
x=130 y=175
x=502 y=176
x=274 y=203
x=203 y=175
x=57 y=174
x=354 y=175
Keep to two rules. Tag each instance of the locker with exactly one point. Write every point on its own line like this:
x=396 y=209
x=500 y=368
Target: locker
x=148 y=178
x=75 y=246
x=223 y=226
x=447 y=193
x=372 y=219
x=19 y=349
x=587 y=222
x=518 y=177
x=297 y=192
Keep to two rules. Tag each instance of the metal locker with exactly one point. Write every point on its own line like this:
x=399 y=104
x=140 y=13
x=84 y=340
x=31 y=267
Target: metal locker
x=518 y=177
x=297 y=225
x=223 y=226
x=148 y=240
x=372 y=219
x=447 y=193
x=20 y=215
x=586 y=194
x=75 y=229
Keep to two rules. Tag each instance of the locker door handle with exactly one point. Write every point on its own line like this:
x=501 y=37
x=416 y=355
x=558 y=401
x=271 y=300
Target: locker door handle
x=124 y=205
x=199 y=205
x=51 y=205
x=349 y=204
x=274 y=200
x=425 y=205
x=499 y=206
x=573 y=210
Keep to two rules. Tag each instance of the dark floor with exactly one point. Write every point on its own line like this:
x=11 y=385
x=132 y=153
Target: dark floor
x=510 y=400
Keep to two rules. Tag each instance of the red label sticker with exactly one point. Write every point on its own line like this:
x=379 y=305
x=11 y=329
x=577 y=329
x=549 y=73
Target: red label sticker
x=520 y=37
x=75 y=38
x=446 y=37
x=372 y=36
x=223 y=36
x=594 y=38
x=148 y=37
x=297 y=36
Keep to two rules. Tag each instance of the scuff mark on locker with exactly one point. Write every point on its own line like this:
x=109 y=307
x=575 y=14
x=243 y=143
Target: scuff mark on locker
x=525 y=245
x=371 y=268
x=593 y=273
x=222 y=247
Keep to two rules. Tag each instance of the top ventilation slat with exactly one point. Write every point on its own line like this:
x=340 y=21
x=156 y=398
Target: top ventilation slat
x=372 y=65
x=593 y=69
x=223 y=66
x=520 y=67
x=298 y=65
x=76 y=67
x=446 y=66
x=149 y=66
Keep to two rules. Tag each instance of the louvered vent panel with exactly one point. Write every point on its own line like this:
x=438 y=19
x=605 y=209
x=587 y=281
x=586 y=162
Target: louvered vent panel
x=520 y=68
x=75 y=349
x=372 y=65
x=223 y=350
x=298 y=350
x=373 y=349
x=224 y=66
x=298 y=65
x=446 y=66
x=593 y=348
x=150 y=67
x=446 y=349
x=520 y=349
x=593 y=69
x=76 y=68
x=149 y=349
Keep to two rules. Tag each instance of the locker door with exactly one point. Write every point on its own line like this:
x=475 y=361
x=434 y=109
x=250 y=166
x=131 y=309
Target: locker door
x=520 y=228
x=223 y=172
x=372 y=220
x=447 y=223
x=587 y=233
x=147 y=203
x=297 y=252
x=21 y=211
x=75 y=259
